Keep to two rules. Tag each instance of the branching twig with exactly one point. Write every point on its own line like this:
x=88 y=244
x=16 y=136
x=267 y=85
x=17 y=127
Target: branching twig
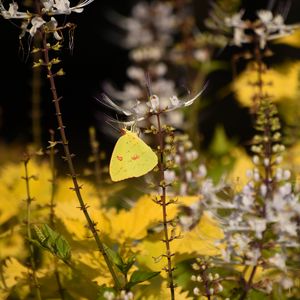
x=69 y=159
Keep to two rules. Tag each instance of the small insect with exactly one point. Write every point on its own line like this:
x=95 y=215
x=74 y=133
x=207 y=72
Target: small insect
x=131 y=157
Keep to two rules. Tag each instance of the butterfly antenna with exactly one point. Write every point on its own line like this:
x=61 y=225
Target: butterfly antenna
x=109 y=121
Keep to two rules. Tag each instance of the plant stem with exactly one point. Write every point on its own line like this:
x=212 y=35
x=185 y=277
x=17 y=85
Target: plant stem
x=61 y=290
x=163 y=201
x=248 y=285
x=69 y=159
x=28 y=227
x=36 y=94
x=267 y=154
x=52 y=180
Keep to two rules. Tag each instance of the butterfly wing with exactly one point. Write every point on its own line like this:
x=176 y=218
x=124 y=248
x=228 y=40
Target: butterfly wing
x=131 y=157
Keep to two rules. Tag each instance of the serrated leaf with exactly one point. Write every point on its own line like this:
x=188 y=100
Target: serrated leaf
x=53 y=242
x=140 y=276
x=63 y=248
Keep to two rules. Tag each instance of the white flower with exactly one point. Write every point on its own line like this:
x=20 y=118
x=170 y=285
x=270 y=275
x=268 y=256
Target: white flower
x=174 y=100
x=12 y=12
x=258 y=225
x=188 y=175
x=191 y=155
x=285 y=189
x=109 y=295
x=287 y=226
x=287 y=174
x=52 y=25
x=253 y=256
x=256 y=159
x=247 y=201
x=196 y=291
x=63 y=6
x=201 y=55
x=48 y=5
x=279 y=174
x=51 y=7
x=256 y=175
x=278 y=203
x=287 y=283
x=263 y=190
x=136 y=73
x=242 y=243
x=169 y=176
x=266 y=162
x=278 y=260
x=202 y=171
x=265 y=16
x=153 y=103
x=36 y=23
x=235 y=20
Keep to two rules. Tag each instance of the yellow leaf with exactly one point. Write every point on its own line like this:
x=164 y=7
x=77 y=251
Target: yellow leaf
x=292 y=39
x=93 y=265
x=133 y=224
x=200 y=240
x=13 y=272
x=68 y=211
x=164 y=293
x=13 y=188
x=237 y=175
x=282 y=84
x=12 y=244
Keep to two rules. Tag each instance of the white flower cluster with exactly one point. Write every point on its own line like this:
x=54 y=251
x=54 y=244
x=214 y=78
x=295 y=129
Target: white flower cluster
x=209 y=284
x=50 y=7
x=123 y=295
x=32 y=21
x=140 y=111
x=256 y=222
x=267 y=27
x=150 y=31
x=150 y=24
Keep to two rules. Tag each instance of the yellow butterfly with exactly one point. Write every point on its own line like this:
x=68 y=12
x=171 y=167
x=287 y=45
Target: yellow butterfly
x=131 y=157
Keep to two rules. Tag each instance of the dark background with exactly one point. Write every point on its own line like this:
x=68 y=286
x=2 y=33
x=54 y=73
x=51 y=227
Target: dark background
x=94 y=60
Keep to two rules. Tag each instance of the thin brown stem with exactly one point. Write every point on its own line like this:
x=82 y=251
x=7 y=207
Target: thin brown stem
x=267 y=152
x=69 y=159
x=52 y=180
x=248 y=285
x=61 y=290
x=163 y=201
x=36 y=94
x=267 y=143
x=29 y=200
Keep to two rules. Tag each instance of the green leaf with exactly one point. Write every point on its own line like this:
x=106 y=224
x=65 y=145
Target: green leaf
x=63 y=250
x=140 y=276
x=52 y=241
x=127 y=266
x=257 y=295
x=114 y=257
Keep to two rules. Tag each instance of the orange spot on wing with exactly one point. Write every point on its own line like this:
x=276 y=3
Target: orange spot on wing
x=135 y=157
x=119 y=157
